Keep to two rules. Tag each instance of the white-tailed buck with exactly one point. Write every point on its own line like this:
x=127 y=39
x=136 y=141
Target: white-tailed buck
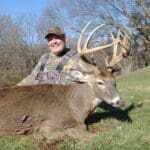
x=27 y=109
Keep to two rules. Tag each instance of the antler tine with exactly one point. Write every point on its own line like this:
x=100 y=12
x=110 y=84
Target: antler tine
x=85 y=48
x=116 y=41
x=114 y=55
x=126 y=42
x=124 y=52
x=91 y=35
x=81 y=37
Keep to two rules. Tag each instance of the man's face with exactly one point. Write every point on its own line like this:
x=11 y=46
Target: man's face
x=56 y=43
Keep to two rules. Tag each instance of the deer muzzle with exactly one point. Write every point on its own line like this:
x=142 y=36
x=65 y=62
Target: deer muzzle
x=117 y=102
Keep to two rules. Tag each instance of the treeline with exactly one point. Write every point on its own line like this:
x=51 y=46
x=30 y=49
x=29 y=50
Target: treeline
x=22 y=37
x=20 y=44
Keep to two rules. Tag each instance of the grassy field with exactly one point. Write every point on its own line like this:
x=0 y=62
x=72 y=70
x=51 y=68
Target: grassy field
x=108 y=128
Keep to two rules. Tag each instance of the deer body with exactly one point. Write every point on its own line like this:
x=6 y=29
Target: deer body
x=49 y=107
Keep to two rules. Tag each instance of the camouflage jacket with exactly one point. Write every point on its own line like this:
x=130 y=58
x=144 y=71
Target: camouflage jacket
x=51 y=65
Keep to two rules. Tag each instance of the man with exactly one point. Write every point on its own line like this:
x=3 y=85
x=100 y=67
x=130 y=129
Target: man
x=54 y=67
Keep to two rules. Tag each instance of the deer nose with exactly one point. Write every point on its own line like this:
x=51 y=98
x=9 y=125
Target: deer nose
x=118 y=102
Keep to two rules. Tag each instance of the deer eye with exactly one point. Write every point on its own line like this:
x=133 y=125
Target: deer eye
x=100 y=82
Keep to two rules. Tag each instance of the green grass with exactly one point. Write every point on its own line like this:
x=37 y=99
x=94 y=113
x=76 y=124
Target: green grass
x=108 y=128
x=17 y=143
x=7 y=80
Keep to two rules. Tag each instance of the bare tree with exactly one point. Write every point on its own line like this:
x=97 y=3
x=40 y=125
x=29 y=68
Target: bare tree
x=11 y=46
x=29 y=34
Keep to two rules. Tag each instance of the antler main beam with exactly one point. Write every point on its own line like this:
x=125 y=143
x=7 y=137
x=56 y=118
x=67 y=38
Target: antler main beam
x=85 y=49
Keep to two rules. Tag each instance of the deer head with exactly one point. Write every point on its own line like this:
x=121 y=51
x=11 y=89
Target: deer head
x=102 y=82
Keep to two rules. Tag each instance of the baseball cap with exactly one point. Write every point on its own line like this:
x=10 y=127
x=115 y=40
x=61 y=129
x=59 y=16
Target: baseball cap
x=54 y=30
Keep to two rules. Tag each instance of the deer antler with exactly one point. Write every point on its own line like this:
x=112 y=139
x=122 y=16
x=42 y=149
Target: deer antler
x=85 y=49
x=124 y=49
x=125 y=45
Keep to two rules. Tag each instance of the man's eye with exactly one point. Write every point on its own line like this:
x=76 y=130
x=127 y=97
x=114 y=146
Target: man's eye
x=51 y=38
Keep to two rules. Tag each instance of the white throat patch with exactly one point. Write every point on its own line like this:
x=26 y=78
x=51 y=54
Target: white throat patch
x=96 y=101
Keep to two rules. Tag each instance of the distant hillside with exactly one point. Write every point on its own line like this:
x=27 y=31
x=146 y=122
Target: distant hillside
x=142 y=72
x=138 y=77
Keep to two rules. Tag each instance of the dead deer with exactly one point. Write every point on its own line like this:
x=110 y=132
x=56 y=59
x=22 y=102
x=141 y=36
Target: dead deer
x=27 y=109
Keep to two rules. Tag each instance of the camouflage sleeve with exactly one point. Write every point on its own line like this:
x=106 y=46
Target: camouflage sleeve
x=31 y=79
x=74 y=63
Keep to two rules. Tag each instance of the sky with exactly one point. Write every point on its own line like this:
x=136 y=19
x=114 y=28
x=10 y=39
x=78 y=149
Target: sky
x=17 y=7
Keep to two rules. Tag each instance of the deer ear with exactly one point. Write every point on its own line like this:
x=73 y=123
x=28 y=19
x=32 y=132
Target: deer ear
x=77 y=75
x=85 y=67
